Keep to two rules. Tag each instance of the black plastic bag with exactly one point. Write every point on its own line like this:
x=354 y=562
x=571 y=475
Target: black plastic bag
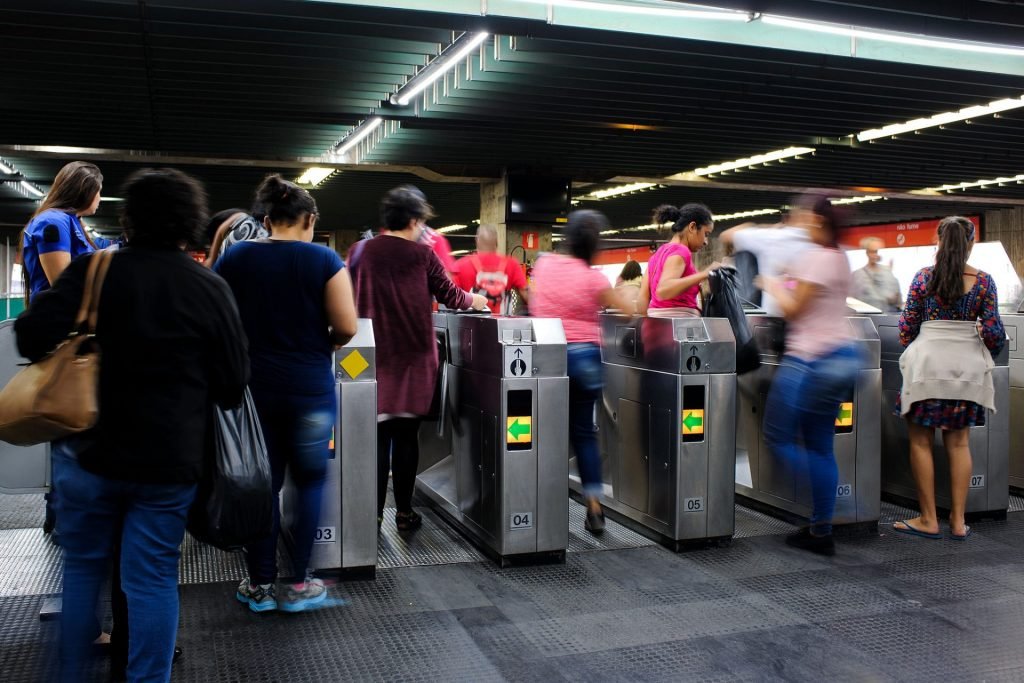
x=234 y=505
x=724 y=302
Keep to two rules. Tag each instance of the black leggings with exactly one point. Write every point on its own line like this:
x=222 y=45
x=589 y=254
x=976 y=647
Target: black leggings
x=398 y=451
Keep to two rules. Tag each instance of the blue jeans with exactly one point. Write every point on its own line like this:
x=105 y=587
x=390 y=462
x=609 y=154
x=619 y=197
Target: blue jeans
x=297 y=430
x=799 y=422
x=585 y=384
x=151 y=517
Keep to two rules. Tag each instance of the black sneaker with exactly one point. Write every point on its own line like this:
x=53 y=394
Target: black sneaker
x=805 y=540
x=408 y=521
x=595 y=522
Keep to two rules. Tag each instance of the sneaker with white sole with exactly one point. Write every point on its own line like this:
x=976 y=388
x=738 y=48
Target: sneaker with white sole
x=300 y=597
x=260 y=598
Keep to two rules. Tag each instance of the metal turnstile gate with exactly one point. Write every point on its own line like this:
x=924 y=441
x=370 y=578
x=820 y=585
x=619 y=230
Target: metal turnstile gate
x=507 y=394
x=765 y=480
x=1014 y=323
x=346 y=538
x=989 y=494
x=667 y=426
x=23 y=469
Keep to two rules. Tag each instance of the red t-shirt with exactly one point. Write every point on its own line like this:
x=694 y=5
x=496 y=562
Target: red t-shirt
x=490 y=274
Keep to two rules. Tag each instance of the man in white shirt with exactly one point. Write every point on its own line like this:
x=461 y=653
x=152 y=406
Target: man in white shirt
x=776 y=248
x=874 y=284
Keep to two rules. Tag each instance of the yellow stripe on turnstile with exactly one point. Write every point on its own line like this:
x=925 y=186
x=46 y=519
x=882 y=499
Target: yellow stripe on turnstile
x=354 y=364
x=845 y=416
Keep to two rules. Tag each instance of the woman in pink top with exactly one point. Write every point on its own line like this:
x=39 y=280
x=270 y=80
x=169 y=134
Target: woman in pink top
x=819 y=367
x=565 y=286
x=672 y=282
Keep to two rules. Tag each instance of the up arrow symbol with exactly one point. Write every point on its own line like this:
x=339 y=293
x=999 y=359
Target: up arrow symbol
x=519 y=353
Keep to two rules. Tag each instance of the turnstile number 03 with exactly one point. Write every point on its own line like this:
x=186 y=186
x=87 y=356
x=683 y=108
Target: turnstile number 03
x=346 y=537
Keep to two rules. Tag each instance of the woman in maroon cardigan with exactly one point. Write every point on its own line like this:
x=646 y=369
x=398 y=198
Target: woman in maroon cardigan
x=395 y=278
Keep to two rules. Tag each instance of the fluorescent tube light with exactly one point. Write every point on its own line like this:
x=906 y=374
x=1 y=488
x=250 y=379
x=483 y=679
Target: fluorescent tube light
x=314 y=176
x=4 y=168
x=618 y=190
x=450 y=228
x=857 y=200
x=357 y=134
x=747 y=162
x=745 y=214
x=941 y=119
x=1004 y=180
x=459 y=252
x=32 y=189
x=901 y=38
x=445 y=62
x=668 y=10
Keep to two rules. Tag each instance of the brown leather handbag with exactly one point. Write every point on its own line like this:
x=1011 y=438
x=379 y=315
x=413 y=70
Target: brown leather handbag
x=59 y=395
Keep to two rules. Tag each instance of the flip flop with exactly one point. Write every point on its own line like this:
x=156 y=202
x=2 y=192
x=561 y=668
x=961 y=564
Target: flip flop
x=911 y=531
x=957 y=537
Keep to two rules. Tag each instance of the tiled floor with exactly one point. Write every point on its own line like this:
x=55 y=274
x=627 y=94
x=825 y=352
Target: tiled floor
x=886 y=608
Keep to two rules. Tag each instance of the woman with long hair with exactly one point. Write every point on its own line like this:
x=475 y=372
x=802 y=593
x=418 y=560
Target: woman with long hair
x=553 y=276
x=819 y=366
x=295 y=300
x=951 y=328
x=672 y=282
x=54 y=236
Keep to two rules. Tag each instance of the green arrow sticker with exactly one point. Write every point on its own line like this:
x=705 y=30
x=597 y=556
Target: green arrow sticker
x=519 y=429
x=693 y=421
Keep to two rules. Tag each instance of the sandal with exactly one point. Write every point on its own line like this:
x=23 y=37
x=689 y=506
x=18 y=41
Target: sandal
x=408 y=521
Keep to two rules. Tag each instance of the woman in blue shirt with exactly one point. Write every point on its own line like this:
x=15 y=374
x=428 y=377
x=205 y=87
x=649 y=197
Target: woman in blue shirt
x=295 y=300
x=54 y=237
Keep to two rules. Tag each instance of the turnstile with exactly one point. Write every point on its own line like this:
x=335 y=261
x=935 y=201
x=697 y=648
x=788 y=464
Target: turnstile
x=507 y=395
x=988 y=495
x=1013 y=320
x=346 y=538
x=768 y=482
x=667 y=426
x=23 y=469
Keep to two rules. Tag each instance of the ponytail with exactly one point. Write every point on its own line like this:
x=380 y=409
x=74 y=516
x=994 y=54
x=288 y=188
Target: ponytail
x=682 y=216
x=956 y=236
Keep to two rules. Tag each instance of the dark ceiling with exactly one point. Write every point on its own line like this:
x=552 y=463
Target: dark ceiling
x=278 y=79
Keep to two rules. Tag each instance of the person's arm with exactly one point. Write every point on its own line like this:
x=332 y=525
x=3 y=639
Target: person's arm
x=673 y=283
x=913 y=311
x=728 y=237
x=229 y=367
x=447 y=292
x=517 y=279
x=613 y=298
x=990 y=325
x=50 y=318
x=340 y=306
x=893 y=289
x=643 y=299
x=791 y=303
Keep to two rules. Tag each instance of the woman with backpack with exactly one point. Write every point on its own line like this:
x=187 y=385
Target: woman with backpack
x=952 y=330
x=295 y=300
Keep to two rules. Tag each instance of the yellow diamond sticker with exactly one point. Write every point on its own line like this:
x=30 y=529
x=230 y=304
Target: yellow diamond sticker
x=354 y=364
x=693 y=422
x=845 y=417
x=519 y=430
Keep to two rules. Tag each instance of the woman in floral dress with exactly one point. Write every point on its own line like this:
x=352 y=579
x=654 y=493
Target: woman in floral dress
x=949 y=290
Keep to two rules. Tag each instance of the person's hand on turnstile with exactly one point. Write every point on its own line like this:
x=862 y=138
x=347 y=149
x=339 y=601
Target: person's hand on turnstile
x=479 y=302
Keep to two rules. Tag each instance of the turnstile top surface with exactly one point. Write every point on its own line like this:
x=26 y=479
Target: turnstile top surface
x=679 y=345
x=767 y=329
x=888 y=326
x=356 y=361
x=505 y=346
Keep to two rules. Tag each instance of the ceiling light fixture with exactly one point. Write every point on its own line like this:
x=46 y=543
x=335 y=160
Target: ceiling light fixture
x=857 y=200
x=617 y=191
x=901 y=38
x=24 y=186
x=460 y=48
x=31 y=189
x=1004 y=180
x=459 y=252
x=668 y=10
x=941 y=119
x=357 y=134
x=745 y=214
x=777 y=155
x=314 y=176
x=451 y=228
